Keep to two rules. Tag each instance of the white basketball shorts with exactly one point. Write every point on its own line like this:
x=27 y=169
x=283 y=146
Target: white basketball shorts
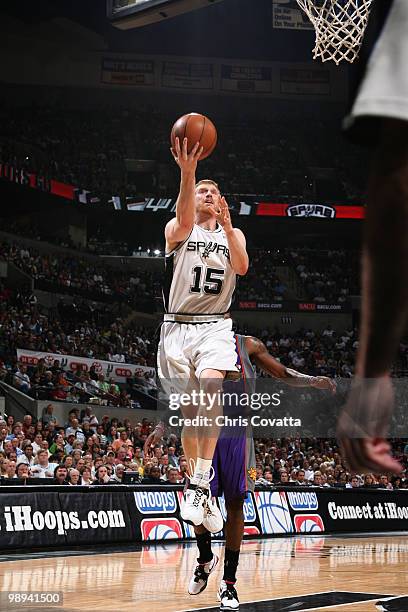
x=384 y=89
x=186 y=350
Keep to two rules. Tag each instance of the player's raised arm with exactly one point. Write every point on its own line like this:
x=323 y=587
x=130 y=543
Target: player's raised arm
x=236 y=239
x=259 y=355
x=180 y=227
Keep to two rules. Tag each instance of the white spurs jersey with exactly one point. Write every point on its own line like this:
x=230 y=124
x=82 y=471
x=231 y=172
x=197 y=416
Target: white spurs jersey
x=199 y=278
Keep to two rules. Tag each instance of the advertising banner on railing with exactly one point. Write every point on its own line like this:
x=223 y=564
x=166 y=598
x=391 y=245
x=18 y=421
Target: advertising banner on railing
x=51 y=516
x=250 y=206
x=117 y=371
x=42 y=518
x=270 y=512
x=293 y=306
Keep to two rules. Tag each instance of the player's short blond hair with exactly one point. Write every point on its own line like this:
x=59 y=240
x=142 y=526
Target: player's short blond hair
x=205 y=181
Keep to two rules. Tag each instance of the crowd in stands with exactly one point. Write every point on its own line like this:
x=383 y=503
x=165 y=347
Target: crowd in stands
x=88 y=148
x=80 y=276
x=323 y=275
x=72 y=330
x=87 y=451
x=328 y=275
x=261 y=283
x=98 y=337
x=325 y=353
x=86 y=331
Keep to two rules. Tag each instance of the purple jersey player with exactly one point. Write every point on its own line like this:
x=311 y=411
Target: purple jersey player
x=234 y=470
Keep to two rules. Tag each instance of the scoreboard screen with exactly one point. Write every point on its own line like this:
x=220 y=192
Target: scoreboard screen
x=119 y=6
x=127 y=14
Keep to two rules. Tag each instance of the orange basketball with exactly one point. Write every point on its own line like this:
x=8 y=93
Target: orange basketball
x=196 y=128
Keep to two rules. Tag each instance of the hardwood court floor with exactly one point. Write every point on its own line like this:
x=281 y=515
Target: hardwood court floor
x=156 y=577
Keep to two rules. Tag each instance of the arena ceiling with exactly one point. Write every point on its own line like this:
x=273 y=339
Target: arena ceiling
x=233 y=28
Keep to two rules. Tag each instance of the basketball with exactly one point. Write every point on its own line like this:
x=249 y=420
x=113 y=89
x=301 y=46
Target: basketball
x=196 y=128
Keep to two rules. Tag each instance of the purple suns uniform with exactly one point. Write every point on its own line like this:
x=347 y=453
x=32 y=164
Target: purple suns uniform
x=234 y=457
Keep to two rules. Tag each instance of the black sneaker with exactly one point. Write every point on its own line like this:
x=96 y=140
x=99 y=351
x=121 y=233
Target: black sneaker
x=393 y=604
x=228 y=597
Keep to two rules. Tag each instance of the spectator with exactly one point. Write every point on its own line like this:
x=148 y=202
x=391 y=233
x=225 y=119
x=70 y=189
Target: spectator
x=172 y=475
x=47 y=415
x=283 y=479
x=86 y=476
x=21 y=380
x=318 y=480
x=369 y=482
x=27 y=457
x=74 y=477
x=171 y=453
x=118 y=475
x=10 y=423
x=23 y=471
x=76 y=430
x=102 y=477
x=384 y=483
x=10 y=469
x=121 y=441
x=61 y=475
x=354 y=483
x=42 y=468
x=153 y=476
x=38 y=439
x=301 y=478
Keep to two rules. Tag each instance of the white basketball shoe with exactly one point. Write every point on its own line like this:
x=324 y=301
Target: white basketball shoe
x=227 y=596
x=213 y=520
x=193 y=506
x=201 y=574
x=196 y=495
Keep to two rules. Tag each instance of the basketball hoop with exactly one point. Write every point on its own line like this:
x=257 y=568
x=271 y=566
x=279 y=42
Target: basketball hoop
x=339 y=25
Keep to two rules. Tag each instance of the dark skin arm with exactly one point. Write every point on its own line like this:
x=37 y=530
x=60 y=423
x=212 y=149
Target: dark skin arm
x=260 y=356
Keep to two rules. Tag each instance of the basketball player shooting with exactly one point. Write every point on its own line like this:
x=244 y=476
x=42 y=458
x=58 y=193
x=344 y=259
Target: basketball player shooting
x=379 y=117
x=235 y=468
x=204 y=253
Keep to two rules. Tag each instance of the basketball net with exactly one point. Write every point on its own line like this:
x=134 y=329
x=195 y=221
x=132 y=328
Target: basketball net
x=339 y=25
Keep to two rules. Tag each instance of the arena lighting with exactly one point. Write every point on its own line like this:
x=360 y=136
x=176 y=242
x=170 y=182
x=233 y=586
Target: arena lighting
x=157 y=252
x=128 y=14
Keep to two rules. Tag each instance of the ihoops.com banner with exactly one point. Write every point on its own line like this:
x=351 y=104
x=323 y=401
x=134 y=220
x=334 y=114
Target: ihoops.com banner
x=42 y=518
x=137 y=513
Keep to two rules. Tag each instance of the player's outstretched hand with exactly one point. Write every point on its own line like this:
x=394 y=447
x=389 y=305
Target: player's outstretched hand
x=363 y=427
x=187 y=162
x=222 y=214
x=366 y=455
x=153 y=439
x=324 y=382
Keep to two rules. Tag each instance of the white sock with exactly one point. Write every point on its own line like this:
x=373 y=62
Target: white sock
x=202 y=471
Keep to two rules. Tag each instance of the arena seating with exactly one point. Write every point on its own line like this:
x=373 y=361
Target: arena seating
x=323 y=274
x=83 y=443
x=88 y=149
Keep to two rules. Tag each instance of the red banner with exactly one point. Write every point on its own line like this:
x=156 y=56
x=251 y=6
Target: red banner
x=35 y=181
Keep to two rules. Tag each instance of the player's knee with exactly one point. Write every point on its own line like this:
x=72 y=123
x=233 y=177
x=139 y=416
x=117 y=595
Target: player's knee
x=396 y=186
x=211 y=385
x=189 y=432
x=235 y=508
x=392 y=162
